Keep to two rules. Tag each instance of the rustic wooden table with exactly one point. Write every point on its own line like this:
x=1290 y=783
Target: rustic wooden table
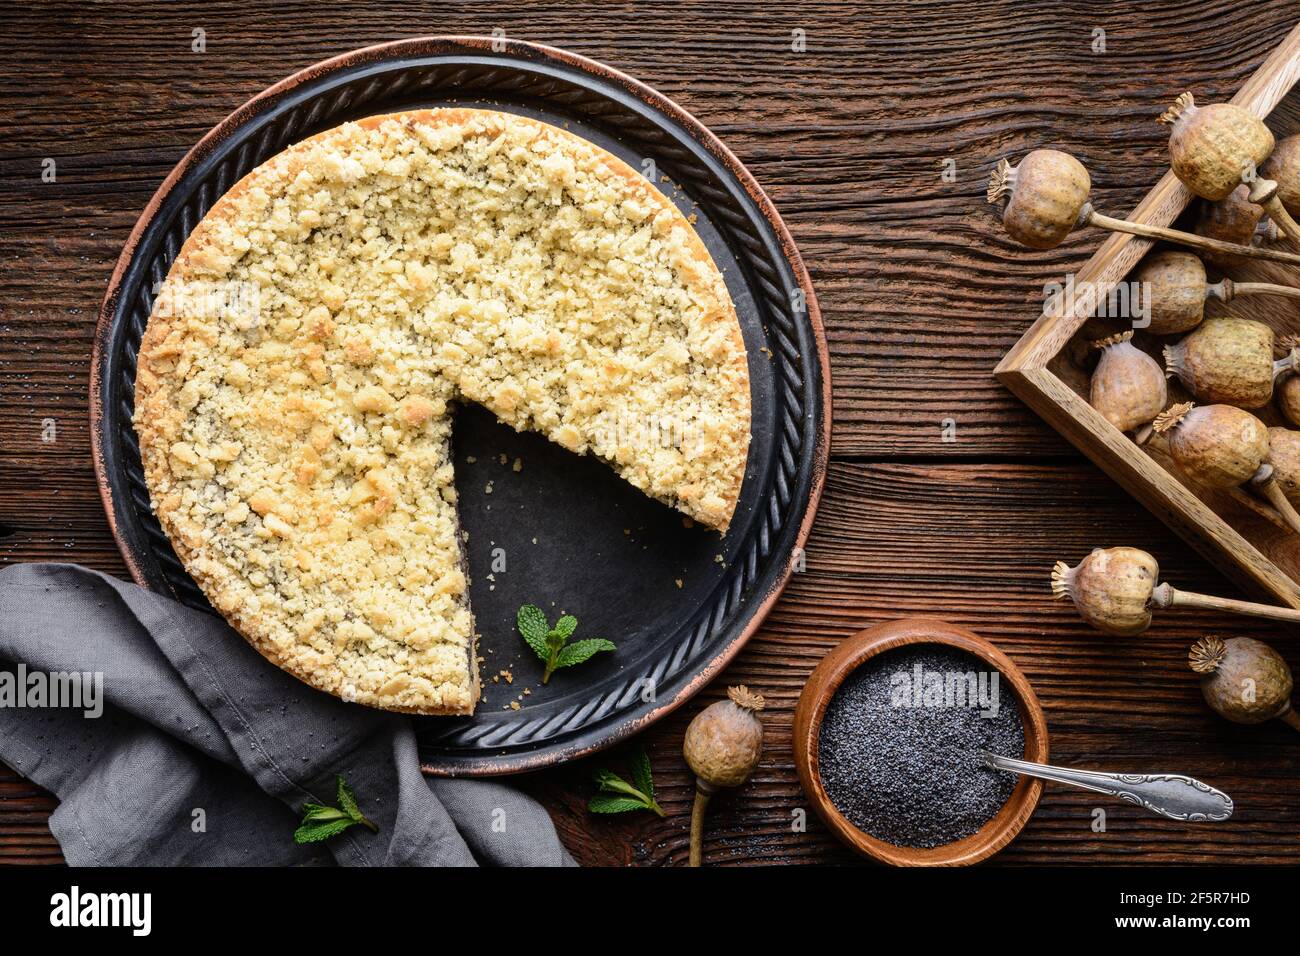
x=921 y=295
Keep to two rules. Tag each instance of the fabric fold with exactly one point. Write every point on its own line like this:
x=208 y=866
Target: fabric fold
x=204 y=752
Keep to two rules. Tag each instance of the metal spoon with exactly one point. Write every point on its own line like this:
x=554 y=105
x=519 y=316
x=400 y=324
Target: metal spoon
x=1171 y=795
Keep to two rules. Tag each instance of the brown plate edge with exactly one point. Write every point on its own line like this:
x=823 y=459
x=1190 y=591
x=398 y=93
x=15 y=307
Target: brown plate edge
x=432 y=44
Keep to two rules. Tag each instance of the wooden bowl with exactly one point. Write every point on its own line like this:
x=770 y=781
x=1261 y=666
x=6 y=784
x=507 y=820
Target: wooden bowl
x=846 y=658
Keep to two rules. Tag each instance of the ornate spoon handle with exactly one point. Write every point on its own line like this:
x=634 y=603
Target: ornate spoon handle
x=1171 y=795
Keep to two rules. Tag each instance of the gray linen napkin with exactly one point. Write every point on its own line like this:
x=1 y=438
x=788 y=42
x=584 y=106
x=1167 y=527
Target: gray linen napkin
x=204 y=752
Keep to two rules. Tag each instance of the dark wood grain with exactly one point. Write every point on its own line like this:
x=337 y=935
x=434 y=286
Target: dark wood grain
x=921 y=295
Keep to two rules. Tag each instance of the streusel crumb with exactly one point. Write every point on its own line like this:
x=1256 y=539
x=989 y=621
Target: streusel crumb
x=295 y=438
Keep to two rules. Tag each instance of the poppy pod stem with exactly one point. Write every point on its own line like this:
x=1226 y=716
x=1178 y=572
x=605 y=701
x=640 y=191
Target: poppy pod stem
x=1255 y=505
x=1264 y=482
x=703 y=793
x=1167 y=596
x=1263 y=193
x=1090 y=217
x=1286 y=365
x=1225 y=290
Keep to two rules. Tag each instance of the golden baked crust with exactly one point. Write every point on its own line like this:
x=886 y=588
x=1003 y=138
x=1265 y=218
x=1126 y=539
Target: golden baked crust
x=293 y=383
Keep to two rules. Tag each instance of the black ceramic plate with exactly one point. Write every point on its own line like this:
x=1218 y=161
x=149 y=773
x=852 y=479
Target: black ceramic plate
x=563 y=531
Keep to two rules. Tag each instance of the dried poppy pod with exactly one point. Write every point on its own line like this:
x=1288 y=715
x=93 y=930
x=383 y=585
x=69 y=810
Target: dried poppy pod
x=1045 y=195
x=1111 y=588
x=1214 y=149
x=1115 y=590
x=1283 y=167
x=1287 y=393
x=1174 y=285
x=1237 y=220
x=1228 y=361
x=1224 y=447
x=1212 y=146
x=722 y=747
x=1244 y=680
x=1047 y=199
x=1176 y=290
x=1128 y=386
x=1284 y=456
x=1220 y=446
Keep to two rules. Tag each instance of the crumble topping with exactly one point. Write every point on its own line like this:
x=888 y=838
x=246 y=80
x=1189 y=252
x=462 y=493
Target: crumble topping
x=296 y=438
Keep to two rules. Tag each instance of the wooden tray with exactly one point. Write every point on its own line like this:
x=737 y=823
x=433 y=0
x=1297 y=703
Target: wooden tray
x=1049 y=367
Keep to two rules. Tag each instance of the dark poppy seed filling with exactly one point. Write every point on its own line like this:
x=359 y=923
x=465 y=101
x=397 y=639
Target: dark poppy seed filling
x=900 y=744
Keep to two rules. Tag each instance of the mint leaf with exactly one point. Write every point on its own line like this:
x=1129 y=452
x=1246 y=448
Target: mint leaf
x=616 y=795
x=315 y=832
x=608 y=803
x=549 y=643
x=641 y=775
x=348 y=801
x=320 y=822
x=532 y=625
x=613 y=783
x=579 y=651
x=605 y=779
x=314 y=812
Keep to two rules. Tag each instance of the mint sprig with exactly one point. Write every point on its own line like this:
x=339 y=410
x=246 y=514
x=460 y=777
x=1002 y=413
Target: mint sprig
x=320 y=822
x=616 y=795
x=551 y=643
